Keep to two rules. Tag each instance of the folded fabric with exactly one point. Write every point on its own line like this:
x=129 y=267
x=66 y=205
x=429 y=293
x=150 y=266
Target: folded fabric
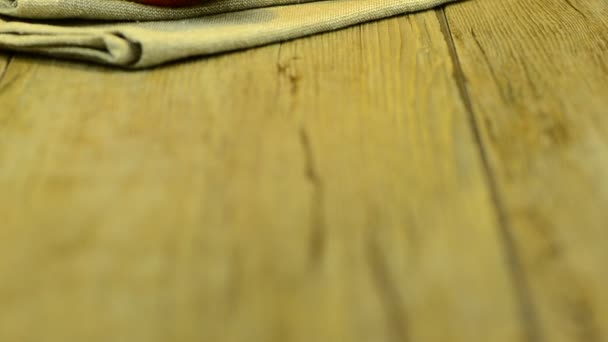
x=125 y=9
x=132 y=35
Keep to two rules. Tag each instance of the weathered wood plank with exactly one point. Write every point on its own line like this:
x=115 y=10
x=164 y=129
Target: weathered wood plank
x=537 y=78
x=4 y=62
x=329 y=189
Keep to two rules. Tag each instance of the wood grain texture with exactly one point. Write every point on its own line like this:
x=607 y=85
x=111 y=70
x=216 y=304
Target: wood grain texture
x=327 y=189
x=537 y=79
x=4 y=63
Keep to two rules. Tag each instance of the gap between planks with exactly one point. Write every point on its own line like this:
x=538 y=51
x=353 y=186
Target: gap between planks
x=529 y=316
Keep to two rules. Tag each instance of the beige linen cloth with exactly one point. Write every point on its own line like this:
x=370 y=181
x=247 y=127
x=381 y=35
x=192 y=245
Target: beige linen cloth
x=131 y=35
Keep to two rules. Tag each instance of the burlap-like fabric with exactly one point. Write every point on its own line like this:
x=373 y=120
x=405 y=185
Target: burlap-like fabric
x=131 y=35
x=125 y=9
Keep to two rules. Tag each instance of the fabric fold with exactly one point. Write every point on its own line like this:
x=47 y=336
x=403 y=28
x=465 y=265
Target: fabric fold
x=141 y=44
x=121 y=10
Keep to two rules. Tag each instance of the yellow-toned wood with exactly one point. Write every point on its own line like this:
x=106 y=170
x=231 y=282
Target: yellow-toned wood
x=4 y=61
x=537 y=77
x=327 y=189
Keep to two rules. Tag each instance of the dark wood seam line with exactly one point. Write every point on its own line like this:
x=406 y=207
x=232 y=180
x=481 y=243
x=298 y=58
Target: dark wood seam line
x=571 y=5
x=529 y=316
x=5 y=69
x=397 y=320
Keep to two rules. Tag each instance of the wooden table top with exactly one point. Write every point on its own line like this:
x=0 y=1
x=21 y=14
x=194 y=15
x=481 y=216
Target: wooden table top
x=440 y=176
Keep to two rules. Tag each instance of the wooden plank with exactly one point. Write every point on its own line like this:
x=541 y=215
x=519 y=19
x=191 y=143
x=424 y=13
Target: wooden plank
x=327 y=189
x=537 y=78
x=4 y=62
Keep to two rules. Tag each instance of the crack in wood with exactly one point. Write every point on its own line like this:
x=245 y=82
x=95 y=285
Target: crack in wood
x=571 y=5
x=4 y=71
x=317 y=219
x=391 y=300
x=528 y=314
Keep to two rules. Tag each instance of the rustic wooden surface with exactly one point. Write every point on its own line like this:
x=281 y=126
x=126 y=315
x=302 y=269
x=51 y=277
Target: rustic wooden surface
x=432 y=177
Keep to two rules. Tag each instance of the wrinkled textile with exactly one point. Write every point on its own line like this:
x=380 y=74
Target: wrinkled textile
x=132 y=35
